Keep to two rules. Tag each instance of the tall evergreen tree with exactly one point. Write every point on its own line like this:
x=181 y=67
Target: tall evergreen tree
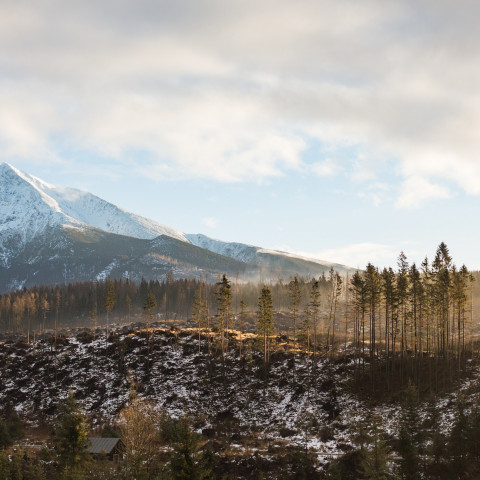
x=360 y=306
x=110 y=298
x=149 y=305
x=458 y=442
x=409 y=441
x=335 y=281
x=199 y=314
x=242 y=322
x=265 y=320
x=188 y=462
x=223 y=295
x=402 y=295
x=295 y=296
x=314 y=309
x=375 y=457
x=71 y=434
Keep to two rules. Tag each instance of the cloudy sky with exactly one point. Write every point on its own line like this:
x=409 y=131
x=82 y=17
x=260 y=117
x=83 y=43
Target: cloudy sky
x=344 y=130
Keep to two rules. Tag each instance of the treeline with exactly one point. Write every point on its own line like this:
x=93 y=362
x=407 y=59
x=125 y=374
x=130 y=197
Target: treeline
x=414 y=322
x=409 y=325
x=43 y=307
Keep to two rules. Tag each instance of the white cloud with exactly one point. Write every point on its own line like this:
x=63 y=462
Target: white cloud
x=358 y=255
x=416 y=190
x=327 y=168
x=210 y=222
x=377 y=192
x=235 y=92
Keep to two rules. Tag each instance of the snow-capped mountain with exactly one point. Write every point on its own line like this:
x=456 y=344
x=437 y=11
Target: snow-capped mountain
x=38 y=205
x=53 y=235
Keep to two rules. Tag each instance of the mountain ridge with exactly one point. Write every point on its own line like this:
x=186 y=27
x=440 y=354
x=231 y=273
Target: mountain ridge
x=55 y=234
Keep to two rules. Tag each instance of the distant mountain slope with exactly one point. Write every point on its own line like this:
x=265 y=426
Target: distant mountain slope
x=52 y=235
x=69 y=254
x=271 y=260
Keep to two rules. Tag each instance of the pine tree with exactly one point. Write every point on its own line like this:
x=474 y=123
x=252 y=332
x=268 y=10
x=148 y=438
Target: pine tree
x=409 y=437
x=372 y=286
x=391 y=318
x=16 y=466
x=223 y=295
x=335 y=291
x=71 y=435
x=188 y=462
x=242 y=322
x=360 y=306
x=109 y=301
x=402 y=295
x=314 y=309
x=473 y=435
x=375 y=457
x=265 y=320
x=4 y=465
x=441 y=276
x=458 y=442
x=436 y=448
x=32 y=470
x=295 y=299
x=199 y=314
x=149 y=305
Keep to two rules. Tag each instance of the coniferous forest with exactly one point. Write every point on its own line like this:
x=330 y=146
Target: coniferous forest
x=327 y=357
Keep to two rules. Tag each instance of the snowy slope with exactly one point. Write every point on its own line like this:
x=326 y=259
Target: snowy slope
x=25 y=212
x=239 y=251
x=38 y=205
x=258 y=255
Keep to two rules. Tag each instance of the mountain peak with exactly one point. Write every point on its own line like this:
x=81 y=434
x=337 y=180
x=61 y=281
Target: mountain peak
x=25 y=196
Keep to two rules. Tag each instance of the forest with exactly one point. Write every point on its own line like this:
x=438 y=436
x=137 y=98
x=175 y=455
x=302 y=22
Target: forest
x=406 y=337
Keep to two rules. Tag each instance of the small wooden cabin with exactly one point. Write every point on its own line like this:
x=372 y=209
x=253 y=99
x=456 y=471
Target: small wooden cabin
x=112 y=447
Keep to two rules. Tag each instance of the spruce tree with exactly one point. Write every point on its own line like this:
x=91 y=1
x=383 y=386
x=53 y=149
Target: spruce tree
x=188 y=462
x=109 y=301
x=314 y=309
x=295 y=296
x=458 y=442
x=71 y=435
x=375 y=457
x=402 y=295
x=360 y=306
x=223 y=295
x=436 y=447
x=4 y=465
x=335 y=291
x=265 y=320
x=149 y=305
x=199 y=314
x=242 y=322
x=409 y=441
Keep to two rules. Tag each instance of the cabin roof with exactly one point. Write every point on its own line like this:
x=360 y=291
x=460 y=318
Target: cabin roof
x=102 y=445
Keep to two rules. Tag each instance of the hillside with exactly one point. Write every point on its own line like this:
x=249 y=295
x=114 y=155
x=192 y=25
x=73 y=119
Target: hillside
x=253 y=417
